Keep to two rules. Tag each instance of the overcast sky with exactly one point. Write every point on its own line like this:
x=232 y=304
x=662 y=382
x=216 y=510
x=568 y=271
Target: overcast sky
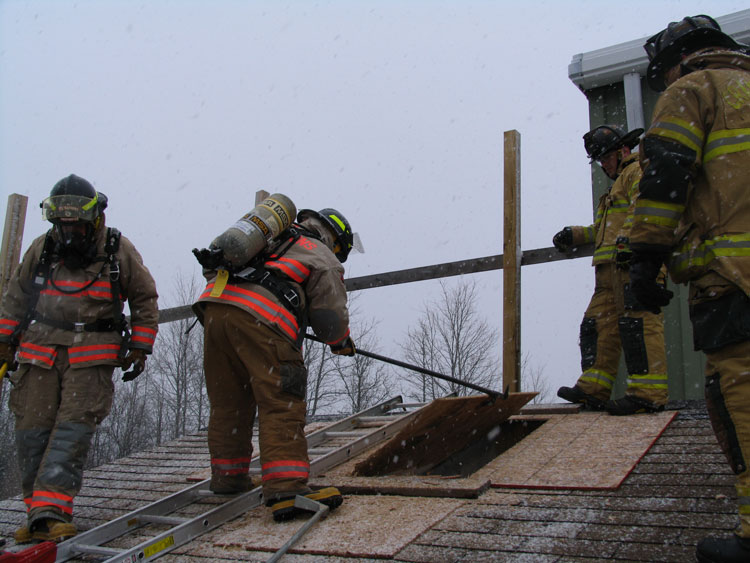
x=392 y=112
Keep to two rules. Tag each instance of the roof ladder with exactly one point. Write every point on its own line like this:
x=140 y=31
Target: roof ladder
x=327 y=448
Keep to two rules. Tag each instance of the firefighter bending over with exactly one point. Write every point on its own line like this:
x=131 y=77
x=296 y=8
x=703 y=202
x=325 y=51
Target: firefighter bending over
x=614 y=321
x=254 y=323
x=63 y=314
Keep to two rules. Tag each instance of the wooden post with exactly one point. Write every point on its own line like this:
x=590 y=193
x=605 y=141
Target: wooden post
x=512 y=262
x=10 y=255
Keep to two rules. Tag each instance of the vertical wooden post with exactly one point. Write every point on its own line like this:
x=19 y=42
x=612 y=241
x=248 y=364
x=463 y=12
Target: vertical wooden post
x=260 y=196
x=512 y=262
x=10 y=255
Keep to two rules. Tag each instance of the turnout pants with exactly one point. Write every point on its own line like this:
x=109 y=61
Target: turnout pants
x=720 y=313
x=612 y=324
x=249 y=365
x=56 y=411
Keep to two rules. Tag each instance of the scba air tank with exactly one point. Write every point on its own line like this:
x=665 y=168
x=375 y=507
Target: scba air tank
x=245 y=239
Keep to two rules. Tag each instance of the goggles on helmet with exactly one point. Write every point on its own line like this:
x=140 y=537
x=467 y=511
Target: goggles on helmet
x=70 y=208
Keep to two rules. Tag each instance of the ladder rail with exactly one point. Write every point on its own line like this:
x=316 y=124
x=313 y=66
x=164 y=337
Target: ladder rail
x=91 y=540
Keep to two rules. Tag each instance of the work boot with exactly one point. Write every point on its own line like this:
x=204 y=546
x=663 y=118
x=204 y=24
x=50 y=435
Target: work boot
x=230 y=485
x=22 y=535
x=631 y=405
x=576 y=395
x=49 y=529
x=284 y=509
x=725 y=550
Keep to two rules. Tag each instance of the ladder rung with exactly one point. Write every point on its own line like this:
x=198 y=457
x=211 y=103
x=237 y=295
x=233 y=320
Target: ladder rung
x=156 y=519
x=345 y=434
x=319 y=451
x=377 y=418
x=94 y=549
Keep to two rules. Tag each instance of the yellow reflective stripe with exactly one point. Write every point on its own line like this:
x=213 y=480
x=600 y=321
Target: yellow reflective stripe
x=704 y=253
x=681 y=131
x=605 y=252
x=598 y=377
x=726 y=141
x=658 y=212
x=588 y=234
x=339 y=222
x=91 y=203
x=743 y=491
x=619 y=206
x=648 y=381
x=222 y=276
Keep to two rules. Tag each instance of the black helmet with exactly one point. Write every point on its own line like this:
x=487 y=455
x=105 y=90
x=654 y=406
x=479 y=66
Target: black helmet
x=340 y=226
x=606 y=138
x=73 y=199
x=666 y=48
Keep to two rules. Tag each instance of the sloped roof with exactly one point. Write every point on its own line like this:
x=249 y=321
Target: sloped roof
x=681 y=490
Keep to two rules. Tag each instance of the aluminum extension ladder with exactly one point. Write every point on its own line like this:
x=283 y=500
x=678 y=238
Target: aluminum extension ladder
x=327 y=448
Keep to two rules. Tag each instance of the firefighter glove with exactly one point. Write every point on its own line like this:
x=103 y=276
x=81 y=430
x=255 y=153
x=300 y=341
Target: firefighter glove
x=563 y=240
x=8 y=355
x=345 y=348
x=136 y=358
x=644 y=270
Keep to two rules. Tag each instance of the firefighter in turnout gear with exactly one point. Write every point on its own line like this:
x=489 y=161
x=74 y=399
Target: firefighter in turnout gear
x=694 y=214
x=614 y=322
x=63 y=315
x=254 y=321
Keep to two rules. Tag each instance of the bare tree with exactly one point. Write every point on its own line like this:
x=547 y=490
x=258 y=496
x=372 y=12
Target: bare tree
x=178 y=362
x=533 y=379
x=363 y=381
x=452 y=338
x=321 y=382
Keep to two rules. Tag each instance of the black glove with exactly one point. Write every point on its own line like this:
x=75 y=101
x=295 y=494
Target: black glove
x=137 y=358
x=8 y=355
x=644 y=269
x=563 y=240
x=345 y=348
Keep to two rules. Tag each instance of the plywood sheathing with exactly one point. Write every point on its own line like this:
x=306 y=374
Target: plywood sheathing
x=579 y=451
x=444 y=427
x=370 y=526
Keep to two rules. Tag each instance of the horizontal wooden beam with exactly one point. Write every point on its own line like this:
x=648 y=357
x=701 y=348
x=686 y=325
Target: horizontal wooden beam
x=448 y=269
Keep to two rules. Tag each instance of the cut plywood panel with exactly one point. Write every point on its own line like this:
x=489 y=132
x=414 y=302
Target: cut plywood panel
x=579 y=451
x=439 y=430
x=369 y=526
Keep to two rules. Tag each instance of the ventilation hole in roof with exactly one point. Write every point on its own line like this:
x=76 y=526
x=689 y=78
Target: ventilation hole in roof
x=437 y=453
x=479 y=453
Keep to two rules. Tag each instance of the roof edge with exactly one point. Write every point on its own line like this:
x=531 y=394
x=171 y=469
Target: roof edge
x=608 y=65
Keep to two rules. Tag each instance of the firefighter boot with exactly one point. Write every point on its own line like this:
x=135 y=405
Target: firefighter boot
x=284 y=509
x=230 y=484
x=49 y=529
x=725 y=550
x=575 y=395
x=22 y=535
x=631 y=405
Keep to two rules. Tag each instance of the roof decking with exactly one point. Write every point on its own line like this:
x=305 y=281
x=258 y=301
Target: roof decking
x=681 y=490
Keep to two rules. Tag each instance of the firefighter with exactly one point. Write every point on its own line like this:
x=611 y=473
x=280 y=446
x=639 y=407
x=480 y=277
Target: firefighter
x=694 y=214
x=253 y=326
x=62 y=313
x=614 y=321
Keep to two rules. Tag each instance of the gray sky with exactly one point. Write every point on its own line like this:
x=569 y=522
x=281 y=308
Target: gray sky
x=392 y=112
